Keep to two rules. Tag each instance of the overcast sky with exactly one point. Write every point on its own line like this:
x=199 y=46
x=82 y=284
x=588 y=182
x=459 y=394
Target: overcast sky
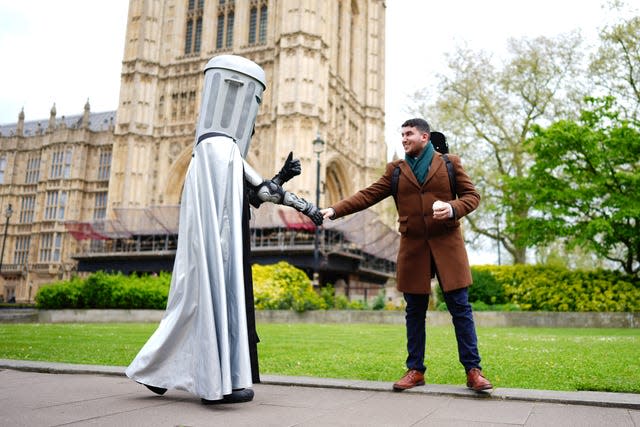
x=416 y=52
x=69 y=51
x=61 y=51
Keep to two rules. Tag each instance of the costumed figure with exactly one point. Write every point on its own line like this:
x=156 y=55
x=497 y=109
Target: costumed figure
x=206 y=342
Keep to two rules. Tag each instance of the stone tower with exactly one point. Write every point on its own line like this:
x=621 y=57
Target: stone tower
x=324 y=62
x=68 y=178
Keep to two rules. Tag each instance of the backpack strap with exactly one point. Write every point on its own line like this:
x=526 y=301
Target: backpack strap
x=452 y=175
x=395 y=177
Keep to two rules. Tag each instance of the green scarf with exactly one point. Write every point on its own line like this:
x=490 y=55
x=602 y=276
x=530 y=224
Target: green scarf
x=420 y=165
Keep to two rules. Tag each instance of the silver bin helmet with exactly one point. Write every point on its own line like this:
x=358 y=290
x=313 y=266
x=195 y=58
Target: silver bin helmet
x=232 y=93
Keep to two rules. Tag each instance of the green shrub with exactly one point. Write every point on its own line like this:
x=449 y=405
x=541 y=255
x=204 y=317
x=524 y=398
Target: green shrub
x=101 y=290
x=480 y=306
x=328 y=295
x=146 y=292
x=506 y=307
x=279 y=286
x=341 y=302
x=553 y=288
x=282 y=286
x=59 y=295
x=550 y=288
x=395 y=306
x=486 y=288
x=357 y=305
x=379 y=300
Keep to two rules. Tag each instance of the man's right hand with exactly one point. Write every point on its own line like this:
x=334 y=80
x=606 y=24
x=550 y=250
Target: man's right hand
x=328 y=213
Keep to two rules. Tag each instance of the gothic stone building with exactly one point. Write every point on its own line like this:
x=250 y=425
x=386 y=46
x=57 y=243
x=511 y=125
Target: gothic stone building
x=324 y=63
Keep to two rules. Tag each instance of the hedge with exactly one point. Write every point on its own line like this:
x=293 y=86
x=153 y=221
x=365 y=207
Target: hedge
x=282 y=286
x=551 y=288
x=102 y=290
x=545 y=288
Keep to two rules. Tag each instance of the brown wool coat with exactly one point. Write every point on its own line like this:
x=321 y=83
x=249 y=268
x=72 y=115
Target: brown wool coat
x=424 y=240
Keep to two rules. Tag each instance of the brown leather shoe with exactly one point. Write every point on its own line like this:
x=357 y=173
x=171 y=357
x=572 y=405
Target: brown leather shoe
x=477 y=382
x=410 y=379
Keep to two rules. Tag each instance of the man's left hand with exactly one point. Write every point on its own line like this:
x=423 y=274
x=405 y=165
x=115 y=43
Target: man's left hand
x=442 y=210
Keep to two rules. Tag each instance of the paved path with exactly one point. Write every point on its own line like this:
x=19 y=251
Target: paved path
x=51 y=394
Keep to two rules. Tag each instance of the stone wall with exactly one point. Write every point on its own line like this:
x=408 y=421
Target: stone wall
x=436 y=318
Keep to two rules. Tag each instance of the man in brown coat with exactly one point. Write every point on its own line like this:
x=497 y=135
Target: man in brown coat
x=431 y=244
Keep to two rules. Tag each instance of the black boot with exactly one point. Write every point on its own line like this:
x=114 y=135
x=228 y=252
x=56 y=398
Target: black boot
x=239 y=396
x=236 y=396
x=156 y=390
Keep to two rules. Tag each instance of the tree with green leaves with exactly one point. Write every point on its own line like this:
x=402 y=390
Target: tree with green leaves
x=490 y=109
x=615 y=67
x=584 y=185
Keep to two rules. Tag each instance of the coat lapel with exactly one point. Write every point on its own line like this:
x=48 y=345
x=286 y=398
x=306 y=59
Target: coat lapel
x=406 y=171
x=436 y=163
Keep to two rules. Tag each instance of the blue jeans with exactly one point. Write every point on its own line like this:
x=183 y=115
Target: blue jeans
x=458 y=305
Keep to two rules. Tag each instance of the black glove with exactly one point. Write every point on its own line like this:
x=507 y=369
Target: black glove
x=313 y=212
x=290 y=169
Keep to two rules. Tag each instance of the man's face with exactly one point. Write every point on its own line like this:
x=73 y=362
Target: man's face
x=414 y=141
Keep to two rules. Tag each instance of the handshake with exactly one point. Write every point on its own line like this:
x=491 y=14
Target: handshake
x=328 y=213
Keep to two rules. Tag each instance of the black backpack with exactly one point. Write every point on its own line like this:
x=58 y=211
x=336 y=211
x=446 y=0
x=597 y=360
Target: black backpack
x=439 y=141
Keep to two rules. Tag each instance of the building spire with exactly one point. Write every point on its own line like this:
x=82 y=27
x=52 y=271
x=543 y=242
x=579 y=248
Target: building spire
x=20 y=126
x=85 y=117
x=52 y=118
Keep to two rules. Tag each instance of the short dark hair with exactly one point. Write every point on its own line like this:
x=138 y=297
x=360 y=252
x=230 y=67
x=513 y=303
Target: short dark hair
x=421 y=124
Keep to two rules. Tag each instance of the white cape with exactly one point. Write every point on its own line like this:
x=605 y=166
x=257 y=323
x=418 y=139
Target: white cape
x=201 y=345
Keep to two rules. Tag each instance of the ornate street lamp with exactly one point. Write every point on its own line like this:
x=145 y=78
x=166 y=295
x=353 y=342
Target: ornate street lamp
x=7 y=214
x=318 y=148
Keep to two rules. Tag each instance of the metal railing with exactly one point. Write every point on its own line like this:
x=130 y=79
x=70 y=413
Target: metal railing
x=262 y=239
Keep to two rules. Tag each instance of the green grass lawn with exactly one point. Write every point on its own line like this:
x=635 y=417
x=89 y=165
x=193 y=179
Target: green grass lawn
x=536 y=358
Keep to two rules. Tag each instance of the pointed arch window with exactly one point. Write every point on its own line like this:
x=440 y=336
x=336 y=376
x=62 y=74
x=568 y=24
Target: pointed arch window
x=55 y=205
x=27 y=209
x=193 y=32
x=50 y=247
x=61 y=163
x=104 y=165
x=3 y=167
x=258 y=22
x=225 y=22
x=21 y=253
x=33 y=169
x=100 y=205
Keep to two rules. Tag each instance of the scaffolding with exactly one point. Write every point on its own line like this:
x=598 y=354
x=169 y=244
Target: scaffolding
x=361 y=235
x=154 y=228
x=273 y=228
